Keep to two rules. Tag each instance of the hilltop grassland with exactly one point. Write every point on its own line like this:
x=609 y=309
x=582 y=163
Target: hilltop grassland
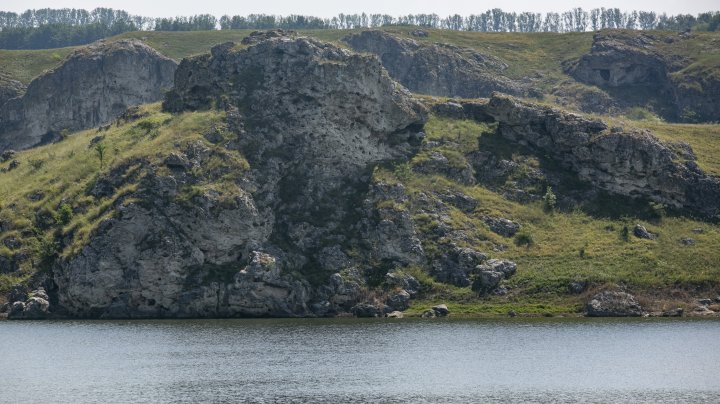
x=524 y=53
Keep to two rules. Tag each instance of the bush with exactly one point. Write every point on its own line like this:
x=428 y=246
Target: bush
x=36 y=164
x=65 y=214
x=403 y=171
x=549 y=200
x=524 y=239
x=46 y=251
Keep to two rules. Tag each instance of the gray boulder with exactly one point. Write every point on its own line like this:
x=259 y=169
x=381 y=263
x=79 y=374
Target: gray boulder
x=502 y=226
x=366 y=310
x=702 y=311
x=403 y=281
x=399 y=301
x=487 y=281
x=441 y=310
x=505 y=267
x=491 y=273
x=36 y=307
x=613 y=304
x=16 y=310
x=641 y=232
x=677 y=312
x=456 y=265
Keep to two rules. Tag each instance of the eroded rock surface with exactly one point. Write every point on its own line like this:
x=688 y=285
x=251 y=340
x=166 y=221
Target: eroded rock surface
x=94 y=85
x=632 y=164
x=436 y=69
x=312 y=119
x=636 y=62
x=9 y=89
x=613 y=304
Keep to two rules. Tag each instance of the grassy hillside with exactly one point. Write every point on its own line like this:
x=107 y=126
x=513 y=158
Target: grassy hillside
x=46 y=205
x=587 y=244
x=47 y=199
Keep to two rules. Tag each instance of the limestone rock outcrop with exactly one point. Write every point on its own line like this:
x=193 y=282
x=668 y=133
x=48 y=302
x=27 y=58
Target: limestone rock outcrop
x=631 y=164
x=36 y=307
x=436 y=69
x=311 y=119
x=9 y=89
x=613 y=304
x=94 y=85
x=638 y=63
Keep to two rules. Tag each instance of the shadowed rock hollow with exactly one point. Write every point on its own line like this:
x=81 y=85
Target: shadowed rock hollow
x=94 y=85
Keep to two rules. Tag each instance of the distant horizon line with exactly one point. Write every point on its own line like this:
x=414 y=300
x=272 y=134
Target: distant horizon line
x=624 y=10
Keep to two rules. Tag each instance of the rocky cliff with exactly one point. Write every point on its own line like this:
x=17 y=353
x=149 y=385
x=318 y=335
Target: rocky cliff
x=438 y=68
x=312 y=120
x=9 y=89
x=635 y=164
x=640 y=69
x=94 y=85
x=290 y=177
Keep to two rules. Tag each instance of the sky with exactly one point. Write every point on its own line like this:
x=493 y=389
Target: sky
x=330 y=8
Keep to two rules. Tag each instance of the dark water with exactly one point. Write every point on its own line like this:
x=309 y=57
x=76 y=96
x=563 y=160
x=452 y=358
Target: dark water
x=410 y=360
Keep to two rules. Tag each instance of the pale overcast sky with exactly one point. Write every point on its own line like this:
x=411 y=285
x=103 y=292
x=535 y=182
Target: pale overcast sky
x=329 y=8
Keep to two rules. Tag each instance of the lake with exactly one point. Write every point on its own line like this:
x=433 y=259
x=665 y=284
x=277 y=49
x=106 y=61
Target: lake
x=361 y=360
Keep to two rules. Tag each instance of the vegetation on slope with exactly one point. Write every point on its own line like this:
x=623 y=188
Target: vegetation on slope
x=591 y=244
x=45 y=203
x=48 y=208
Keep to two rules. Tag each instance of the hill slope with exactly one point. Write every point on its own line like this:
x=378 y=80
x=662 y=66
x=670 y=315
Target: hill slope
x=254 y=192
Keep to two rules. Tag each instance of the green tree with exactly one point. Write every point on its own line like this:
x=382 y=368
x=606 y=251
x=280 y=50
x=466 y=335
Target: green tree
x=100 y=151
x=549 y=199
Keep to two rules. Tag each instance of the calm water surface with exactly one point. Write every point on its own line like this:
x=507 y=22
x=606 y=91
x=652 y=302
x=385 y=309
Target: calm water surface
x=350 y=360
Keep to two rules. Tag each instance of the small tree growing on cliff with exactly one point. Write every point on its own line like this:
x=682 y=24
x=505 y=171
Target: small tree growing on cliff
x=549 y=200
x=100 y=151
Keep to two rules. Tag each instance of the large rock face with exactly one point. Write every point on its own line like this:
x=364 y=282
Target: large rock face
x=94 y=85
x=636 y=62
x=436 y=69
x=312 y=119
x=632 y=164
